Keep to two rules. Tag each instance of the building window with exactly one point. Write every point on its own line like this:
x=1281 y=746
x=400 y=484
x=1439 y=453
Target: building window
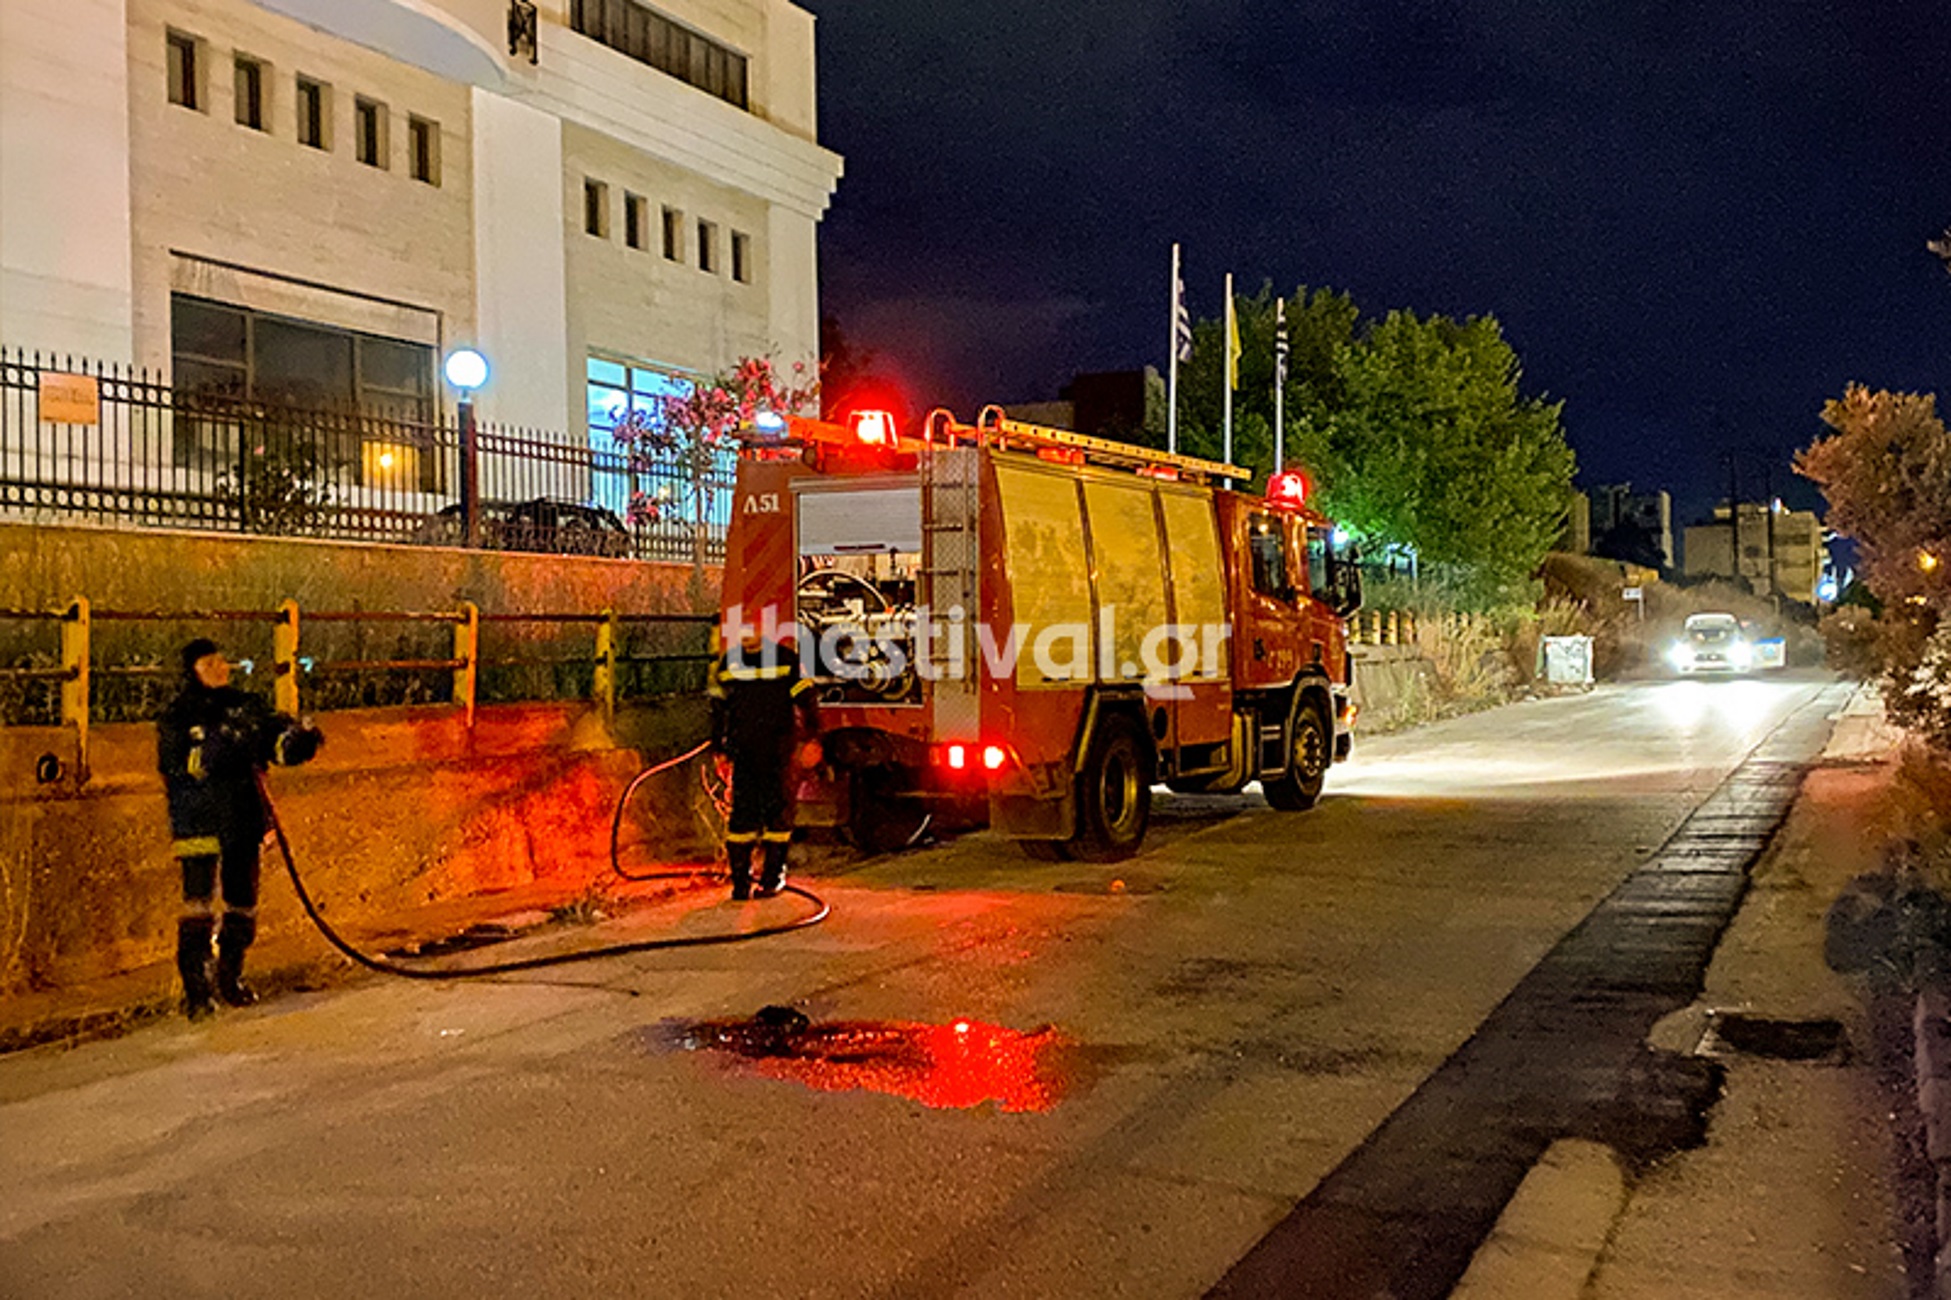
x=314 y=113
x=185 y=72
x=223 y=355
x=249 y=83
x=673 y=235
x=369 y=126
x=596 y=208
x=423 y=144
x=741 y=257
x=636 y=221
x=621 y=391
x=708 y=247
x=651 y=38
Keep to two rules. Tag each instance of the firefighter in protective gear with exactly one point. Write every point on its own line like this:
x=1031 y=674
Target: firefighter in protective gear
x=761 y=710
x=211 y=743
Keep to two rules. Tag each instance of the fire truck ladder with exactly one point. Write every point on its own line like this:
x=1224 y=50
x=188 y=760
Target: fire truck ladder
x=997 y=429
x=950 y=568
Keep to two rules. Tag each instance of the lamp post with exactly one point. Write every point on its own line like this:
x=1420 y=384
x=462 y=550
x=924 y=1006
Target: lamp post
x=467 y=370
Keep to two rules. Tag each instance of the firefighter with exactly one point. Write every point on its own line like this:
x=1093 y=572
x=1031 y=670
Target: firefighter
x=760 y=709
x=211 y=743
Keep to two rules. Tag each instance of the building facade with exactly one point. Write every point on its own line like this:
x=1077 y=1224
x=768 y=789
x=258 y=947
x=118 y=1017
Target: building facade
x=312 y=201
x=1777 y=552
x=1651 y=512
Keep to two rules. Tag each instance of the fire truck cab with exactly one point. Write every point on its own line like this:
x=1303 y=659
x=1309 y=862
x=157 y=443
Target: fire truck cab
x=1029 y=627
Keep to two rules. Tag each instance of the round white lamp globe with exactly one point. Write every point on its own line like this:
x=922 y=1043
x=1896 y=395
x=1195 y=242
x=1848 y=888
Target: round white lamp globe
x=466 y=369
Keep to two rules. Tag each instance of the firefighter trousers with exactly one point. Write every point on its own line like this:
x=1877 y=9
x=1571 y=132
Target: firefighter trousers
x=762 y=815
x=234 y=867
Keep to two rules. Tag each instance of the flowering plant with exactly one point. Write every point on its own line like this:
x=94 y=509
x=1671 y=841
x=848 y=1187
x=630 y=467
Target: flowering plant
x=693 y=430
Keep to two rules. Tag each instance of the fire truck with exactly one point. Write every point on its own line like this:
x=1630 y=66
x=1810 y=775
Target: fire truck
x=1030 y=627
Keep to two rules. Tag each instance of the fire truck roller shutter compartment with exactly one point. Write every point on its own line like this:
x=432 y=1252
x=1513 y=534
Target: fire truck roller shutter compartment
x=1049 y=581
x=1205 y=715
x=859 y=557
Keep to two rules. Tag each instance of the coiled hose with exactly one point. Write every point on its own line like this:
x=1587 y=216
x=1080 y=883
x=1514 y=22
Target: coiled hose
x=388 y=966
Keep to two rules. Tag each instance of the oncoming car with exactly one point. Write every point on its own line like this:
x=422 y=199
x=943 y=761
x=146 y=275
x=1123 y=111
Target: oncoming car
x=1712 y=643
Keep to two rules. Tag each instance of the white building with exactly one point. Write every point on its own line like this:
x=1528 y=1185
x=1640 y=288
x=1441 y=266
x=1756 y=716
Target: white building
x=312 y=200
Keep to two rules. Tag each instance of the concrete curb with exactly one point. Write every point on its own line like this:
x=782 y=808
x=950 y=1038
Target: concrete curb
x=1931 y=1039
x=1547 y=1242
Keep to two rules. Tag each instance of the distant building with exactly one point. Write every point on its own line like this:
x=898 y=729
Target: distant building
x=1128 y=405
x=1778 y=551
x=1616 y=504
x=308 y=201
x=1576 y=538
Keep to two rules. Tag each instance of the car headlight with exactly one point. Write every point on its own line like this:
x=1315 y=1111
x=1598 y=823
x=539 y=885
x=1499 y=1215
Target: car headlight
x=1741 y=654
x=1680 y=654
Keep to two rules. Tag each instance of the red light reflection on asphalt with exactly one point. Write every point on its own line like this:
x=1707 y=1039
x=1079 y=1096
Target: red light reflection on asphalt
x=953 y=1066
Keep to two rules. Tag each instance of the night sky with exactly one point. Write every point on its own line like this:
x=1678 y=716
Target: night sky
x=1695 y=220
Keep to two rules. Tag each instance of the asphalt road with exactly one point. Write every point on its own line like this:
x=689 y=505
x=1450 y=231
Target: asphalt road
x=1020 y=1079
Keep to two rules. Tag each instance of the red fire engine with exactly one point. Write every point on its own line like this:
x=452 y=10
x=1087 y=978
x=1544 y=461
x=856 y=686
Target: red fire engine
x=1035 y=626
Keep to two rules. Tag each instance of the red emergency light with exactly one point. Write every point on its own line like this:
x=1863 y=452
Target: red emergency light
x=957 y=756
x=874 y=428
x=1164 y=473
x=1288 y=488
x=993 y=758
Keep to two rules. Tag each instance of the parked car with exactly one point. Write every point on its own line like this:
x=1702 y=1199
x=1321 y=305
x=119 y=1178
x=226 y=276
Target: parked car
x=549 y=526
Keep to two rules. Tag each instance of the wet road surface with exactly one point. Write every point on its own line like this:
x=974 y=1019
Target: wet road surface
x=1249 y=1054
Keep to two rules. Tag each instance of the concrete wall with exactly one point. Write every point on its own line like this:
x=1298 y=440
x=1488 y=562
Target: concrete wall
x=1392 y=687
x=404 y=808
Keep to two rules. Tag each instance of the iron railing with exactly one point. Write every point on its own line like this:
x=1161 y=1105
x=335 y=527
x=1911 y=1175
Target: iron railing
x=80 y=440
x=83 y=664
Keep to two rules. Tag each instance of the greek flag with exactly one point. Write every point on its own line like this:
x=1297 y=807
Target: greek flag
x=1280 y=341
x=1181 y=321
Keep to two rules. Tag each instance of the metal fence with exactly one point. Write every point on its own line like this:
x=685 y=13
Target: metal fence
x=88 y=665
x=87 y=441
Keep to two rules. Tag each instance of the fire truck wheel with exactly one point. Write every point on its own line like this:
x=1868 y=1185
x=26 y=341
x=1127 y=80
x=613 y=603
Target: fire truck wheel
x=1045 y=850
x=880 y=820
x=1297 y=789
x=1114 y=792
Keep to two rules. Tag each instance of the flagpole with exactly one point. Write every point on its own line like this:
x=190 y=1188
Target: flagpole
x=1232 y=328
x=1280 y=380
x=1172 y=372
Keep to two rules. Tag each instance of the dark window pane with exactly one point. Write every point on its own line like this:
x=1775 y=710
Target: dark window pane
x=399 y=367
x=205 y=330
x=297 y=365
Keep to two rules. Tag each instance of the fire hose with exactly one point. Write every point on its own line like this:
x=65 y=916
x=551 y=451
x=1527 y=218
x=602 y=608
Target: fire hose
x=388 y=966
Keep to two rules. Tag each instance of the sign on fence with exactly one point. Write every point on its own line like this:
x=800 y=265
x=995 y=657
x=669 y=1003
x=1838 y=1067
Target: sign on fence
x=70 y=399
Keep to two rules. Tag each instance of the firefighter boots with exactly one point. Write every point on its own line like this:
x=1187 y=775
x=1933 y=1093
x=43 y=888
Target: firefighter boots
x=738 y=855
x=239 y=928
x=193 y=964
x=773 y=879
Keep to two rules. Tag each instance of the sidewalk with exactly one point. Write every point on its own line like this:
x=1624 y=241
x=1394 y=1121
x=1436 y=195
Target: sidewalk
x=1794 y=1196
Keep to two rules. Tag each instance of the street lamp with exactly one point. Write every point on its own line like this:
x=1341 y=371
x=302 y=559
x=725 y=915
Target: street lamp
x=467 y=370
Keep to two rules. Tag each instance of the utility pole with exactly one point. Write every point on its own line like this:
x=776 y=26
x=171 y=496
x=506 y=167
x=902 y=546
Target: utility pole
x=1733 y=516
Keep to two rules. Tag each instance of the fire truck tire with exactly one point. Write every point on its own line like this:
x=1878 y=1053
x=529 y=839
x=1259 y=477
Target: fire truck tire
x=1045 y=850
x=1299 y=787
x=1114 y=792
x=879 y=819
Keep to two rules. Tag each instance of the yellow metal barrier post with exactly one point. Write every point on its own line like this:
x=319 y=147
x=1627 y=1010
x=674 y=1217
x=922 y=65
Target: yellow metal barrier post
x=467 y=653
x=284 y=659
x=605 y=680
x=74 y=687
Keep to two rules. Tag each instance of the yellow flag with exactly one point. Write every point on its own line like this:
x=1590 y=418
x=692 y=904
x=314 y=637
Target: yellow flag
x=1232 y=340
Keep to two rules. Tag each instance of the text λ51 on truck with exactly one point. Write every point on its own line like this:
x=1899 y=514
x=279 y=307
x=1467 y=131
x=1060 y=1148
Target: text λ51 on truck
x=1030 y=627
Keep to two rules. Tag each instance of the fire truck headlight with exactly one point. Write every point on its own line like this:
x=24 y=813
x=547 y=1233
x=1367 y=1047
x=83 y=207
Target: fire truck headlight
x=993 y=758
